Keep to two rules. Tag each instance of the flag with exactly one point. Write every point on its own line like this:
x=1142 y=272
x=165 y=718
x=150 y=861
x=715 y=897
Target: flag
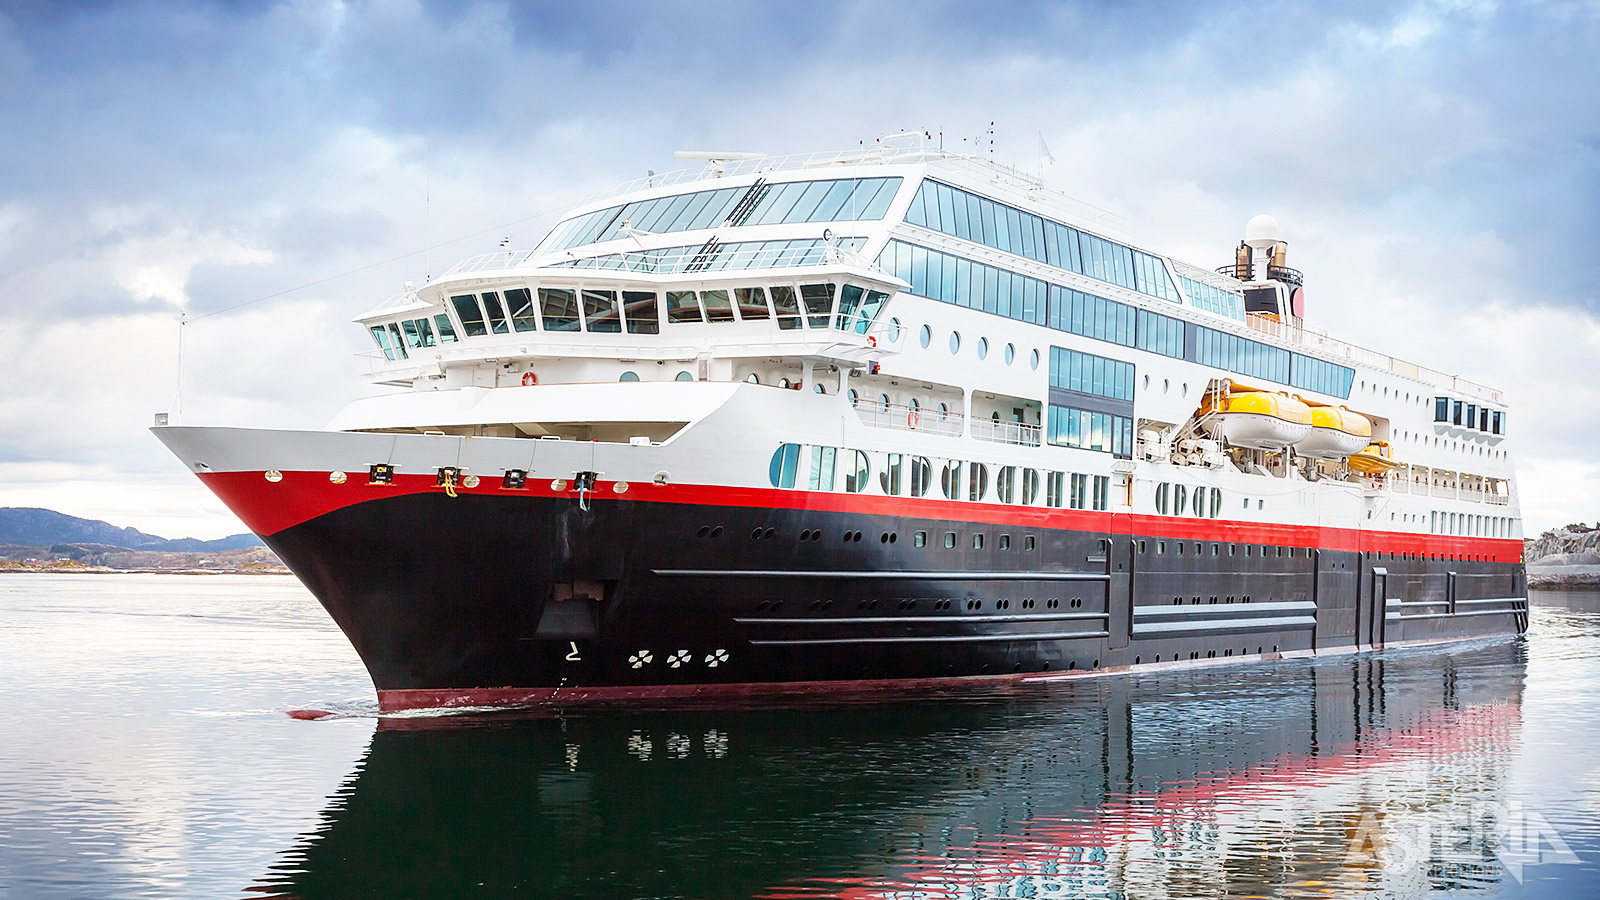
x=1044 y=151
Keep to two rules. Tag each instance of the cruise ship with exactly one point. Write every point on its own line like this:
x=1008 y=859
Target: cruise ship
x=890 y=419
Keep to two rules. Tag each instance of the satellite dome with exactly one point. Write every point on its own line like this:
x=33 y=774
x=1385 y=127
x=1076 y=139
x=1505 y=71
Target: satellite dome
x=1261 y=232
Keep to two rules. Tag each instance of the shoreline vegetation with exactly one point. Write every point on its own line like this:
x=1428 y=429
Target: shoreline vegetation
x=105 y=559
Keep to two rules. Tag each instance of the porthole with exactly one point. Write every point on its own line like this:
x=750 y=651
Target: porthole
x=818 y=388
x=1183 y=390
x=895 y=331
x=1033 y=360
x=634 y=376
x=983 y=348
x=752 y=378
x=955 y=342
x=684 y=376
x=925 y=337
x=1147 y=382
x=1011 y=353
x=855 y=396
x=1165 y=384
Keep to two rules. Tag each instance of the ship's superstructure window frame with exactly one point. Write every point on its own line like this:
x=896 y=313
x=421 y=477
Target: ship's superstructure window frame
x=558 y=308
x=519 y=304
x=1002 y=227
x=470 y=315
x=642 y=312
x=784 y=203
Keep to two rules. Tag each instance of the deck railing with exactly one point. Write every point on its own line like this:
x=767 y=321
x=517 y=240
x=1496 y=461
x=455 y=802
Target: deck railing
x=909 y=418
x=1018 y=433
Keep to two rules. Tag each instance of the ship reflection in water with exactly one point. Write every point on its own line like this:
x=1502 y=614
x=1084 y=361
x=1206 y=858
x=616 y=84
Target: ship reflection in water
x=1356 y=774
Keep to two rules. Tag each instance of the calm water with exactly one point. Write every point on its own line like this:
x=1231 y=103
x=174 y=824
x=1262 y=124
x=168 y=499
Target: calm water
x=144 y=752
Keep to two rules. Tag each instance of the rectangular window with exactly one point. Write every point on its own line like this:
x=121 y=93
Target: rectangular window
x=977 y=541
x=600 y=312
x=818 y=299
x=889 y=478
x=683 y=307
x=1455 y=412
x=822 y=464
x=787 y=306
x=470 y=315
x=1055 y=484
x=1102 y=491
x=1080 y=490
x=381 y=335
x=1027 y=542
x=1496 y=424
x=559 y=307
x=413 y=338
x=949 y=540
x=919 y=539
x=752 y=303
x=640 y=307
x=447 y=331
x=1471 y=420
x=717 y=306
x=520 y=302
x=1005 y=542
x=497 y=317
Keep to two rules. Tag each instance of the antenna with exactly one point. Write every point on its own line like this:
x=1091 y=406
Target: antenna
x=177 y=398
x=717 y=160
x=427 y=227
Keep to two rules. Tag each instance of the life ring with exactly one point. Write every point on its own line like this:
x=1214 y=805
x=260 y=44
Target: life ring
x=872 y=341
x=913 y=417
x=529 y=379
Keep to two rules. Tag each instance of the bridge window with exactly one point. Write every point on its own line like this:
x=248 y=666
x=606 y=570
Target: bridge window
x=497 y=316
x=381 y=335
x=819 y=303
x=640 y=307
x=560 y=309
x=683 y=307
x=717 y=306
x=787 y=307
x=520 y=302
x=849 y=299
x=447 y=332
x=752 y=303
x=600 y=312
x=470 y=315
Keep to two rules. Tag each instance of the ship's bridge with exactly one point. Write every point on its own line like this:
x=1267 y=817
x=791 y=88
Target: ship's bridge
x=830 y=310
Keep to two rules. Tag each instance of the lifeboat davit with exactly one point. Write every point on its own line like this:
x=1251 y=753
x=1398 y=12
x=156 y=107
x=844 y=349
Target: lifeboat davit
x=1258 y=419
x=1374 y=460
x=1336 y=433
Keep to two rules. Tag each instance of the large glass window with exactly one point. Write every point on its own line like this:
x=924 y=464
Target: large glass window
x=683 y=306
x=600 y=312
x=717 y=306
x=1102 y=491
x=889 y=478
x=787 y=305
x=1441 y=409
x=381 y=335
x=1088 y=374
x=1055 y=489
x=950 y=480
x=822 y=464
x=1089 y=430
x=471 y=316
x=857 y=472
x=559 y=307
x=819 y=303
x=785 y=460
x=752 y=303
x=447 y=331
x=1005 y=484
x=520 y=302
x=921 y=476
x=1080 y=491
x=640 y=308
x=977 y=482
x=497 y=316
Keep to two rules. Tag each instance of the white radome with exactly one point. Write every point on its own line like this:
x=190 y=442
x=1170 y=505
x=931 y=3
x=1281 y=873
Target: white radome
x=1261 y=232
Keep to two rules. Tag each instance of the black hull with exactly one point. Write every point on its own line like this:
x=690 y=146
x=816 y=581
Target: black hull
x=473 y=598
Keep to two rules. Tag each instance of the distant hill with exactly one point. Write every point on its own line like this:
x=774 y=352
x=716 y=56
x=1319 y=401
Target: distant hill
x=44 y=527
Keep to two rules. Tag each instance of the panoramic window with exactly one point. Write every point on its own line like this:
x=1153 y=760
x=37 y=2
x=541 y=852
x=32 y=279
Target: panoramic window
x=921 y=476
x=785 y=460
x=1030 y=487
x=977 y=481
x=822 y=463
x=1055 y=488
x=950 y=480
x=1080 y=491
x=1005 y=484
x=889 y=478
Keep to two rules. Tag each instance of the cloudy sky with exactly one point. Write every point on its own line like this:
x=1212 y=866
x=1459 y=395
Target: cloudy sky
x=1435 y=167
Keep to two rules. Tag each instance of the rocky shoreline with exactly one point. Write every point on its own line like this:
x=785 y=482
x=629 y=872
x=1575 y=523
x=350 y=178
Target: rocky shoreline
x=1564 y=559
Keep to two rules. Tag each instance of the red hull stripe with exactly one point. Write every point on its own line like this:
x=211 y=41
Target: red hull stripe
x=456 y=698
x=270 y=507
